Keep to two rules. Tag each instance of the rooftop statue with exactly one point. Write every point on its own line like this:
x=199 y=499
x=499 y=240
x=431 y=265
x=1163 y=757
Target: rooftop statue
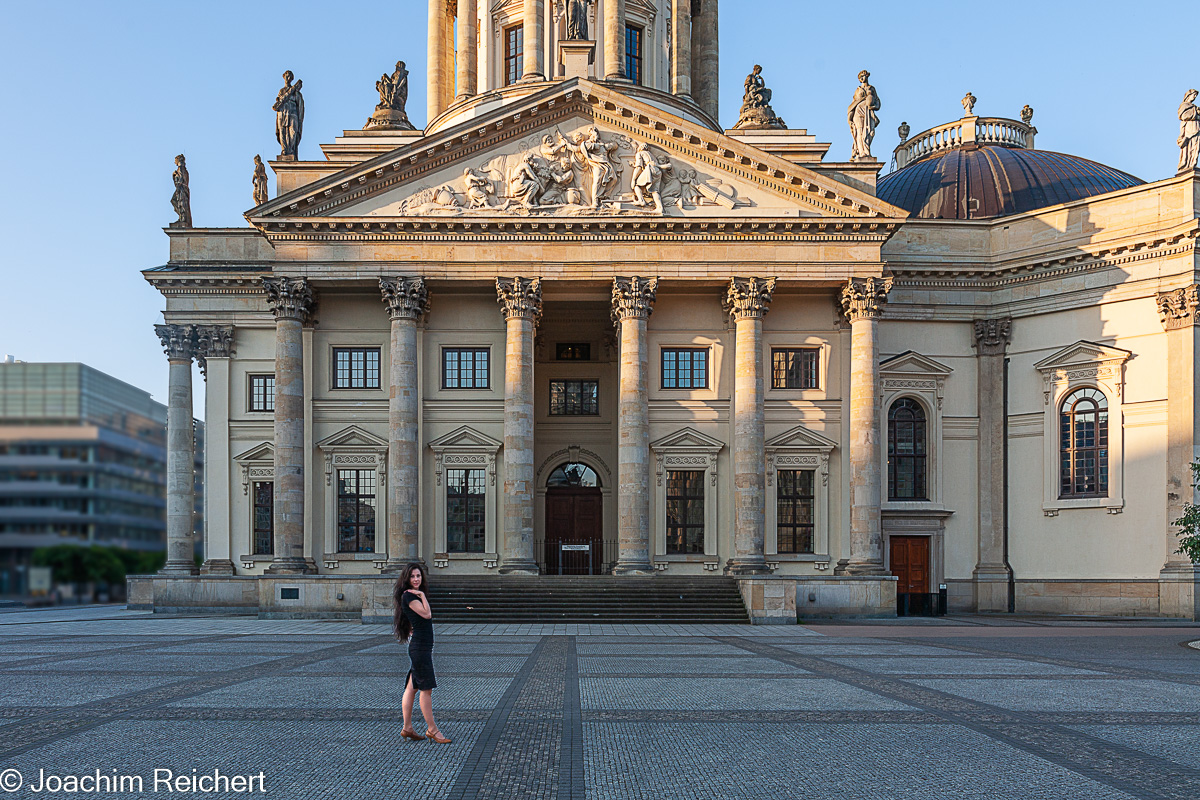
x=181 y=200
x=1027 y=114
x=862 y=118
x=1189 y=132
x=393 y=97
x=756 y=113
x=904 y=130
x=261 y=195
x=968 y=103
x=577 y=23
x=289 y=117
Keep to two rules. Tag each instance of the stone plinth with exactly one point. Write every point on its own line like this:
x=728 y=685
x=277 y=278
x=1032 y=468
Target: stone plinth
x=576 y=56
x=783 y=601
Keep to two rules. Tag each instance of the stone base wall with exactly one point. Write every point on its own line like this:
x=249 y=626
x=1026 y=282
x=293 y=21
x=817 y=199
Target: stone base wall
x=267 y=596
x=784 y=601
x=1088 y=597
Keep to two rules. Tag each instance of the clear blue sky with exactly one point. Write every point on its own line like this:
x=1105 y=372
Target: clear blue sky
x=99 y=97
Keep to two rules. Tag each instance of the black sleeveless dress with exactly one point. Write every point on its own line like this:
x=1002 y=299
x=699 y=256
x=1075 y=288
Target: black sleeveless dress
x=420 y=646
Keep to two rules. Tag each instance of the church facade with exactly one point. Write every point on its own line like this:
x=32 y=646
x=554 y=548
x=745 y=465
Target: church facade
x=575 y=325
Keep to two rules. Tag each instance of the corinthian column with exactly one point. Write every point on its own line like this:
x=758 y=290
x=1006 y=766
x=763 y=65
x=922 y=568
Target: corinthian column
x=214 y=349
x=1179 y=580
x=614 y=40
x=747 y=301
x=633 y=301
x=439 y=50
x=468 y=70
x=681 y=52
x=291 y=299
x=179 y=343
x=992 y=572
x=862 y=301
x=706 y=53
x=533 y=30
x=407 y=301
x=521 y=303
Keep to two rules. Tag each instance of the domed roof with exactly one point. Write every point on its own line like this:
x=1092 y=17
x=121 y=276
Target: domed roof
x=980 y=180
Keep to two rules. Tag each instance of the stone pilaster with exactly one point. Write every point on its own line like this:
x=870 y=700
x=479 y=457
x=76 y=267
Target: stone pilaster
x=681 y=52
x=614 y=40
x=992 y=572
x=706 y=53
x=633 y=302
x=179 y=343
x=534 y=56
x=291 y=300
x=521 y=304
x=1179 y=580
x=214 y=349
x=407 y=301
x=747 y=301
x=468 y=49
x=862 y=303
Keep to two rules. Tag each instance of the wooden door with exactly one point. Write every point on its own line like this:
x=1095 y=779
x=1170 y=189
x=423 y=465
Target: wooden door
x=573 y=518
x=910 y=563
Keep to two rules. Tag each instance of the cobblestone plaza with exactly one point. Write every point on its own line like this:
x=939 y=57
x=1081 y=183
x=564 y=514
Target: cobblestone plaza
x=967 y=708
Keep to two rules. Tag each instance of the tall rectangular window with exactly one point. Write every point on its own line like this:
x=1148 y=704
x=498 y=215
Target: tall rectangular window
x=262 y=392
x=465 y=368
x=514 y=53
x=466 y=511
x=794 y=504
x=633 y=53
x=685 y=511
x=684 y=368
x=356 y=368
x=795 y=368
x=356 y=510
x=574 y=398
x=264 y=518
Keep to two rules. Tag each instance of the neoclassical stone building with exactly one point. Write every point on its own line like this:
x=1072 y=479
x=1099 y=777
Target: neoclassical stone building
x=576 y=324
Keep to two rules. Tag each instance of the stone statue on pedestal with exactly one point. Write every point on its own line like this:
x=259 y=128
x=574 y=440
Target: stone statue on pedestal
x=181 y=200
x=756 y=113
x=1189 y=132
x=968 y=104
x=577 y=23
x=260 y=182
x=289 y=117
x=1027 y=114
x=862 y=118
x=393 y=97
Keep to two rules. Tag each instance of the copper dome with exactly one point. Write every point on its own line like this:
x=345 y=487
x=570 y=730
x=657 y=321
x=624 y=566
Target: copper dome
x=981 y=181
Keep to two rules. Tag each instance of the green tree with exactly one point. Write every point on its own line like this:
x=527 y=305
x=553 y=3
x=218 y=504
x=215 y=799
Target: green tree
x=1189 y=523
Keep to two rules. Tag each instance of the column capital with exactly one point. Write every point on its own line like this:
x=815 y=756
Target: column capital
x=1177 y=308
x=213 y=341
x=748 y=298
x=289 y=298
x=863 y=298
x=519 y=297
x=405 y=298
x=633 y=297
x=178 y=341
x=992 y=336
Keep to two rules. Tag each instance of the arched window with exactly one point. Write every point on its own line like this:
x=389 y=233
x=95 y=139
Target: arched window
x=578 y=476
x=906 y=451
x=1083 y=444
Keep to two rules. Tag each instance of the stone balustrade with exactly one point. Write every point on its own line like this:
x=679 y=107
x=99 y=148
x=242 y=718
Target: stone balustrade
x=968 y=130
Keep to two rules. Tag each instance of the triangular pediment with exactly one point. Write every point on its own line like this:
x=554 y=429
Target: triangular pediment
x=687 y=438
x=801 y=438
x=913 y=363
x=261 y=452
x=352 y=436
x=1083 y=353
x=465 y=438
x=540 y=157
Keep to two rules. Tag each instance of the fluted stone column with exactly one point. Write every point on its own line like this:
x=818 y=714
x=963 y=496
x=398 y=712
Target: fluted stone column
x=407 y=302
x=862 y=301
x=179 y=343
x=992 y=573
x=747 y=301
x=681 y=51
x=438 y=77
x=534 y=30
x=1179 y=579
x=291 y=300
x=706 y=58
x=633 y=301
x=614 y=40
x=214 y=349
x=468 y=64
x=521 y=303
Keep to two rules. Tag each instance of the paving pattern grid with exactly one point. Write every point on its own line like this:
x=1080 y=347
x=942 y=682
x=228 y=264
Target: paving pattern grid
x=596 y=712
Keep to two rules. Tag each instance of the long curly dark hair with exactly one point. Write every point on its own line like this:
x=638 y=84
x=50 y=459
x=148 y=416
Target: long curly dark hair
x=401 y=627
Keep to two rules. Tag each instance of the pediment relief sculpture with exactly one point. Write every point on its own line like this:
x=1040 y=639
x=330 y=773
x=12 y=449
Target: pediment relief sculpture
x=586 y=172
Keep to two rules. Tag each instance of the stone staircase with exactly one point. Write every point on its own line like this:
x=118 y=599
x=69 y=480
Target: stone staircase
x=587 y=599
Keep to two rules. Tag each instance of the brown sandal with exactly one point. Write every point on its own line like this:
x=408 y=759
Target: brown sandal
x=411 y=734
x=436 y=736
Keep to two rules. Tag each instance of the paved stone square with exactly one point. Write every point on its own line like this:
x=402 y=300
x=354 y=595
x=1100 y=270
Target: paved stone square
x=970 y=707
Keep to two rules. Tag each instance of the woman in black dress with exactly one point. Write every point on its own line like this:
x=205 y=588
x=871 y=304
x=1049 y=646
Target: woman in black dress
x=412 y=622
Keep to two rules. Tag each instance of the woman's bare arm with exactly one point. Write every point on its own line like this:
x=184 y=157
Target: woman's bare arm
x=420 y=606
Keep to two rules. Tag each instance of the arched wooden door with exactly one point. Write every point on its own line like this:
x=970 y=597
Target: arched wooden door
x=574 y=522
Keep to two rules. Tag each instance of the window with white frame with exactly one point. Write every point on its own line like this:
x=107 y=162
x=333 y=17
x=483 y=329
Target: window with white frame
x=466 y=510
x=1083 y=444
x=914 y=387
x=685 y=494
x=466 y=515
x=797 y=484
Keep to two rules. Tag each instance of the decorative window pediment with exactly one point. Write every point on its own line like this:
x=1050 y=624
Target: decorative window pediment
x=1084 y=362
x=465 y=446
x=686 y=448
x=465 y=449
x=351 y=448
x=257 y=464
x=913 y=371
